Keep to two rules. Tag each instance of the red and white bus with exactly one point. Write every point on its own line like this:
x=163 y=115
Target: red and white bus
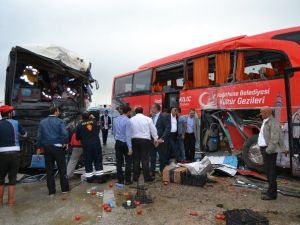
x=227 y=82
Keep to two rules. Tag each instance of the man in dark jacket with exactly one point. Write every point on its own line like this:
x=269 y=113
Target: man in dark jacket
x=162 y=123
x=105 y=126
x=53 y=137
x=9 y=152
x=173 y=134
x=87 y=133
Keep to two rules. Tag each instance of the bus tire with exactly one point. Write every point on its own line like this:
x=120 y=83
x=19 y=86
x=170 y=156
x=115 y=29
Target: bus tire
x=251 y=154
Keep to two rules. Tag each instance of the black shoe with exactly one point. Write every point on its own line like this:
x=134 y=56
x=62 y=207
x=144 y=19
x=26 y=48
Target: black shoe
x=90 y=179
x=268 y=197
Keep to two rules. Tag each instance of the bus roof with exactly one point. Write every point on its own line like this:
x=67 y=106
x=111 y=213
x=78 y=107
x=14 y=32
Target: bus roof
x=226 y=44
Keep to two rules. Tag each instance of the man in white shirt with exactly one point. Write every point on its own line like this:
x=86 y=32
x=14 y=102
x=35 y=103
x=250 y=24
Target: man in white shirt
x=270 y=141
x=142 y=130
x=173 y=135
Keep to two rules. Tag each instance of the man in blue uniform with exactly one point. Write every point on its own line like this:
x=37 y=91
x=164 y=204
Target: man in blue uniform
x=9 y=152
x=87 y=133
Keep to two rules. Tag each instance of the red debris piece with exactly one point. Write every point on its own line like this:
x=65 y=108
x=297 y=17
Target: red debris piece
x=108 y=209
x=252 y=173
x=111 y=185
x=137 y=203
x=138 y=211
x=105 y=206
x=220 y=216
x=194 y=213
x=77 y=217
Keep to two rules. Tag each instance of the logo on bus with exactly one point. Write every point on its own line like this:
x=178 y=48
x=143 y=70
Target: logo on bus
x=185 y=99
x=208 y=100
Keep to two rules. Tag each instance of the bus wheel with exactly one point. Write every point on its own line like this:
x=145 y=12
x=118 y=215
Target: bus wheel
x=252 y=155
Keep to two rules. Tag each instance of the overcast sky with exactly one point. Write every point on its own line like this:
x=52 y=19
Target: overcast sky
x=117 y=36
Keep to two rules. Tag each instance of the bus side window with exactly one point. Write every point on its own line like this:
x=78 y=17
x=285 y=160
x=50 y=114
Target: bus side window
x=240 y=68
x=167 y=78
x=222 y=62
x=259 y=65
x=200 y=73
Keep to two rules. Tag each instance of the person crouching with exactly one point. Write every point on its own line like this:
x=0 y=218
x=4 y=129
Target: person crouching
x=88 y=134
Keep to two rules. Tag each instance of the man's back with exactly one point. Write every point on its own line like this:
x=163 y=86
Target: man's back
x=9 y=130
x=120 y=127
x=52 y=131
x=141 y=126
x=88 y=132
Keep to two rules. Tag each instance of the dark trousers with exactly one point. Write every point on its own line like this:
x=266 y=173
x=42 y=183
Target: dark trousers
x=121 y=154
x=141 y=152
x=172 y=145
x=92 y=154
x=189 y=146
x=270 y=171
x=104 y=135
x=56 y=154
x=9 y=165
x=296 y=142
x=163 y=155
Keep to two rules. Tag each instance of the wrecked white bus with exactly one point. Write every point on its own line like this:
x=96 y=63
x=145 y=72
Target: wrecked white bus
x=39 y=76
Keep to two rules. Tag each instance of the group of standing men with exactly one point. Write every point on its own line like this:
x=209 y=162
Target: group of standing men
x=140 y=139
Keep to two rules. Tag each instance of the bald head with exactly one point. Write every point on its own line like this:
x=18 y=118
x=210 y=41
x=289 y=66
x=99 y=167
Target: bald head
x=266 y=112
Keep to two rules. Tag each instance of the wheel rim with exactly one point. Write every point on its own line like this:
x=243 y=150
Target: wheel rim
x=255 y=155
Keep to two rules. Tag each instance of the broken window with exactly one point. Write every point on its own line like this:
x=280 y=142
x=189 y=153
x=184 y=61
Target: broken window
x=35 y=83
x=168 y=78
x=260 y=65
x=213 y=69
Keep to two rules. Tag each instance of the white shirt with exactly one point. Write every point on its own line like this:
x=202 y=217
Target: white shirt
x=261 y=139
x=106 y=122
x=143 y=127
x=155 y=118
x=173 y=124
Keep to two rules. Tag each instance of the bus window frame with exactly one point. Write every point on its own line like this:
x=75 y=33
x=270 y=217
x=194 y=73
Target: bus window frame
x=262 y=50
x=235 y=51
x=166 y=67
x=150 y=83
x=124 y=93
x=213 y=55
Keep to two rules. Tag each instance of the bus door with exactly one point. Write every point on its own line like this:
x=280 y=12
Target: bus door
x=293 y=117
x=171 y=100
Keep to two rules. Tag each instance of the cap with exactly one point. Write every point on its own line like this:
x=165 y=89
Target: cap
x=6 y=108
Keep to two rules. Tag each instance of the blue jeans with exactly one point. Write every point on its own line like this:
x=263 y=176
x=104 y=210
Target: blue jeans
x=180 y=152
